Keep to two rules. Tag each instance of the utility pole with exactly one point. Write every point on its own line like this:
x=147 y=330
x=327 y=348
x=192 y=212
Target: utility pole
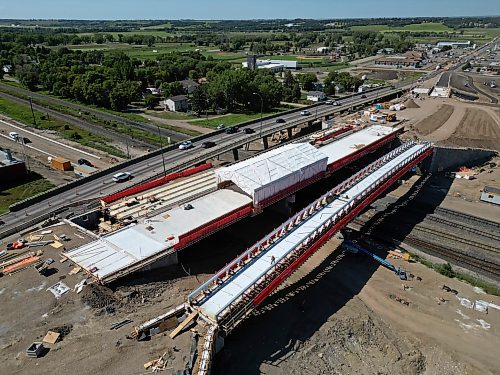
x=32 y=113
x=261 y=109
x=161 y=149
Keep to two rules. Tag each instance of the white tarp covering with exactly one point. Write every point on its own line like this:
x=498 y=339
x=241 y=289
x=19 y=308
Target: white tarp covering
x=266 y=175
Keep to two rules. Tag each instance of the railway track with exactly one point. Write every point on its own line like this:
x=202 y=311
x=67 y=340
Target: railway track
x=464 y=227
x=460 y=259
x=442 y=234
x=492 y=225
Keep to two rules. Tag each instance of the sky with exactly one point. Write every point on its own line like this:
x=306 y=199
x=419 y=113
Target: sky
x=247 y=9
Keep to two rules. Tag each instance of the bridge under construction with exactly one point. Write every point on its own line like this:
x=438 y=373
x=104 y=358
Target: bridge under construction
x=227 y=298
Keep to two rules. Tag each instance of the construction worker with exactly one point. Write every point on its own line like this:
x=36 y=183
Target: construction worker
x=273 y=259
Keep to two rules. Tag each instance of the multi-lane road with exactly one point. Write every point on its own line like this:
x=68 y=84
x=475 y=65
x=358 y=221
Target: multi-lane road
x=176 y=159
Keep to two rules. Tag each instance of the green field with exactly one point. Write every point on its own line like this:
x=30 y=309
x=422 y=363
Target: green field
x=170 y=115
x=34 y=185
x=22 y=113
x=233 y=119
x=433 y=27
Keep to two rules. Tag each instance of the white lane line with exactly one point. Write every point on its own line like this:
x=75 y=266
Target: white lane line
x=34 y=148
x=51 y=140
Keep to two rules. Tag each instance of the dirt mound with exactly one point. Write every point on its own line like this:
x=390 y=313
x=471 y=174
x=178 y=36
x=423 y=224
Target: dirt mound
x=99 y=297
x=63 y=330
x=477 y=129
x=435 y=121
x=411 y=104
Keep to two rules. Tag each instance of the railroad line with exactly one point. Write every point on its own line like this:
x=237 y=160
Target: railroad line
x=464 y=227
x=495 y=226
x=465 y=260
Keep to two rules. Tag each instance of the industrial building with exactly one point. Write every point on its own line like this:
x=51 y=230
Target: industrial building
x=466 y=44
x=275 y=66
x=411 y=59
x=10 y=167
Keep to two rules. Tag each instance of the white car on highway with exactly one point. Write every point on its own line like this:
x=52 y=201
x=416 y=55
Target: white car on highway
x=185 y=145
x=305 y=113
x=122 y=176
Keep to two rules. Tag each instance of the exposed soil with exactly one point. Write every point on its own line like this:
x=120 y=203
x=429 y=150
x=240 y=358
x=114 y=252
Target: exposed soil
x=435 y=120
x=411 y=104
x=477 y=129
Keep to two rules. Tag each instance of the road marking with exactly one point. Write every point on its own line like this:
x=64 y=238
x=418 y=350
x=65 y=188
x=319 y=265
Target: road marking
x=51 y=140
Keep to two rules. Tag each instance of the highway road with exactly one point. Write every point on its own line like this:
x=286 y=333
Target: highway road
x=101 y=114
x=177 y=159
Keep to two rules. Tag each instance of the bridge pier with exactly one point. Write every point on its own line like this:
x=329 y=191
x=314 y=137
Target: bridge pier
x=289 y=131
x=266 y=143
x=235 y=154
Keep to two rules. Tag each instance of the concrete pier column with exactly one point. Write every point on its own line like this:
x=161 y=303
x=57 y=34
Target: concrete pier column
x=266 y=143
x=289 y=131
x=235 y=154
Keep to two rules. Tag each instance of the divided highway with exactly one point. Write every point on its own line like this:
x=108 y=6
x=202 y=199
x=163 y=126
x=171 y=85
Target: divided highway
x=176 y=159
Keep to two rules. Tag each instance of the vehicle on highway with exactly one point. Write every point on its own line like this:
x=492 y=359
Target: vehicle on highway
x=208 y=144
x=305 y=113
x=122 y=176
x=83 y=161
x=14 y=136
x=363 y=96
x=220 y=126
x=332 y=102
x=248 y=131
x=185 y=145
x=232 y=130
x=280 y=120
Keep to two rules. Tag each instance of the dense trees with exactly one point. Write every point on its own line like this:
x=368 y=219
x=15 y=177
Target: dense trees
x=307 y=80
x=291 y=88
x=350 y=83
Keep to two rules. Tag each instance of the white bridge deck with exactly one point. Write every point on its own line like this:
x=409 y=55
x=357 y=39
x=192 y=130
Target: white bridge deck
x=214 y=303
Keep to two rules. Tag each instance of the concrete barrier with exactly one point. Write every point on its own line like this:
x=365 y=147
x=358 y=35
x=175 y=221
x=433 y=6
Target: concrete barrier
x=450 y=158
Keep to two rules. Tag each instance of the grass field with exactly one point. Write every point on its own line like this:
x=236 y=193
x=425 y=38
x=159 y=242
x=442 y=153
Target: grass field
x=34 y=185
x=170 y=115
x=22 y=113
x=233 y=118
x=434 y=27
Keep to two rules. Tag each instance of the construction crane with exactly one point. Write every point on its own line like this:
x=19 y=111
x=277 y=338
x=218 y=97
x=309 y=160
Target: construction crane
x=354 y=247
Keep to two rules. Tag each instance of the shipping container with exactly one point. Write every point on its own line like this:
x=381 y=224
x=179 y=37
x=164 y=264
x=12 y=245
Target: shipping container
x=61 y=164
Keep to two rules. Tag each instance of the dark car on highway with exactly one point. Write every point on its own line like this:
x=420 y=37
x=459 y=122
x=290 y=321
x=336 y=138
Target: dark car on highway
x=232 y=130
x=208 y=144
x=84 y=162
x=280 y=120
x=248 y=131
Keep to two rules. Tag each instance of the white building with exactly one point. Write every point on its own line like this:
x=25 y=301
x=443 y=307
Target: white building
x=275 y=65
x=177 y=103
x=322 y=49
x=466 y=44
x=316 y=96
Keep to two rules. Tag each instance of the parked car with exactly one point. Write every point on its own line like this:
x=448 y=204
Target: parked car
x=208 y=144
x=248 y=131
x=14 y=135
x=26 y=140
x=122 y=176
x=232 y=130
x=220 y=126
x=185 y=145
x=305 y=113
x=84 y=162
x=280 y=120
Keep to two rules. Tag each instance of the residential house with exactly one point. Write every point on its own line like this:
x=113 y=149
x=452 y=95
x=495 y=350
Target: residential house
x=316 y=96
x=178 y=103
x=189 y=86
